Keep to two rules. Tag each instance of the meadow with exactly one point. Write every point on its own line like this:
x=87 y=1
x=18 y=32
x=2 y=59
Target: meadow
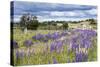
x=52 y=33
x=54 y=46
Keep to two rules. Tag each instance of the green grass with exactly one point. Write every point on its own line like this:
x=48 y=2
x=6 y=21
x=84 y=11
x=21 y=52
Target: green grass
x=39 y=56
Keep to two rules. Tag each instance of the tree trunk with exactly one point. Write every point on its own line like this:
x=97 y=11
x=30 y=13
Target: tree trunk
x=25 y=30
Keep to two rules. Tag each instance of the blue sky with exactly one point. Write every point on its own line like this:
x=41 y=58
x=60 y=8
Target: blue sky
x=54 y=11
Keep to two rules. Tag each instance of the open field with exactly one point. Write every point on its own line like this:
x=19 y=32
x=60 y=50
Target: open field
x=54 y=46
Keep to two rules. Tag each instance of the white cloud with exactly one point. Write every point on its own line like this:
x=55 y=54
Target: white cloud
x=92 y=11
x=62 y=19
x=62 y=15
x=68 y=13
x=57 y=13
x=17 y=18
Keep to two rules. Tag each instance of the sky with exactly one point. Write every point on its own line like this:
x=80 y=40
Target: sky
x=54 y=11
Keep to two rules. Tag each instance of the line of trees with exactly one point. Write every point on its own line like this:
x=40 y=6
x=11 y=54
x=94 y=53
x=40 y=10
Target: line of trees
x=27 y=21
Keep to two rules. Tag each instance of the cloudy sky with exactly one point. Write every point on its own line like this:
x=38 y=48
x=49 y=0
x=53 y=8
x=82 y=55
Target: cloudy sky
x=53 y=11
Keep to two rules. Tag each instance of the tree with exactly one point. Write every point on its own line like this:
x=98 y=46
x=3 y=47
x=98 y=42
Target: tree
x=28 y=22
x=65 y=26
x=33 y=24
x=23 y=23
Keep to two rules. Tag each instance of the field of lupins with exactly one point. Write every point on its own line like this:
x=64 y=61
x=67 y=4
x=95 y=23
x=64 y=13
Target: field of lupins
x=54 y=46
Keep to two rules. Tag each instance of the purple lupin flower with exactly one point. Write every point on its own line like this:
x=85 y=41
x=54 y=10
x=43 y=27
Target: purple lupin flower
x=75 y=46
x=19 y=54
x=63 y=33
x=88 y=32
x=28 y=43
x=34 y=37
x=59 y=45
x=78 y=57
x=74 y=43
x=48 y=36
x=52 y=47
x=86 y=43
x=14 y=44
x=54 y=61
x=45 y=40
x=81 y=57
x=55 y=35
x=38 y=37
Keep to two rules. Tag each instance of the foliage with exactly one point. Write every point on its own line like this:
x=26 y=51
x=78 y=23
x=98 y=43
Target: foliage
x=29 y=22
